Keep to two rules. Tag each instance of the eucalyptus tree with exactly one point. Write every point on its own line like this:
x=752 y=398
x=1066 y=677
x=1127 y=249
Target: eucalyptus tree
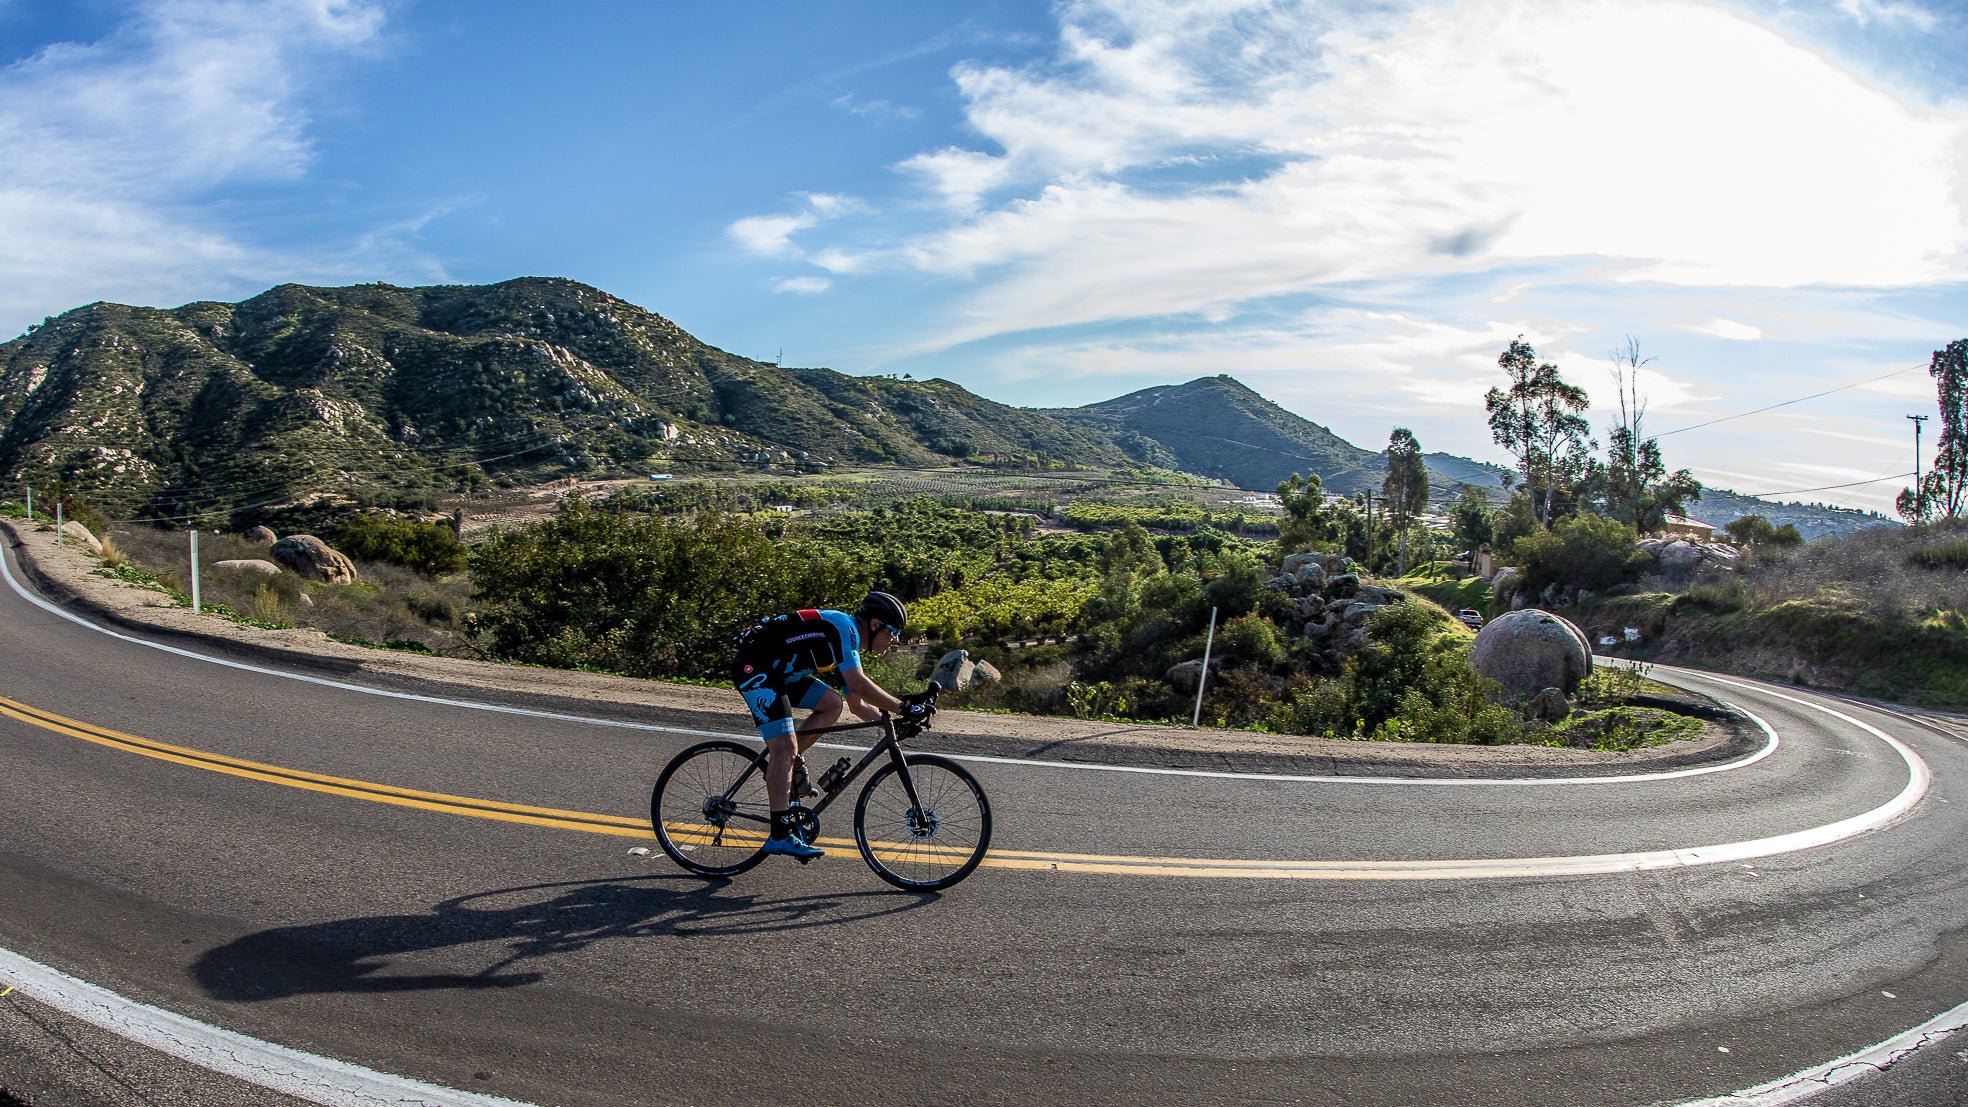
x=1944 y=490
x=1538 y=421
x=1405 y=489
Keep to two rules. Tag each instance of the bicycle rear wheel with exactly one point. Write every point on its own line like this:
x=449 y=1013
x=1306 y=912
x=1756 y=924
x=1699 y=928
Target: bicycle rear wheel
x=710 y=810
x=930 y=843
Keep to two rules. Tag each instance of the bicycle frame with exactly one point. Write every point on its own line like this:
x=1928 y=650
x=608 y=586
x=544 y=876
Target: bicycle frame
x=889 y=744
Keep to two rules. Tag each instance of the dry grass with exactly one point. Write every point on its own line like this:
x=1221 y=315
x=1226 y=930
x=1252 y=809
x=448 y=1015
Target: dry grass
x=1877 y=613
x=388 y=605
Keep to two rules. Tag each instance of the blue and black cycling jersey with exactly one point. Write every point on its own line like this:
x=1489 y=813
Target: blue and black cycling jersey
x=784 y=661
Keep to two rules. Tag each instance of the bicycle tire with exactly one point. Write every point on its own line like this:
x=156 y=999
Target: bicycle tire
x=929 y=847
x=679 y=809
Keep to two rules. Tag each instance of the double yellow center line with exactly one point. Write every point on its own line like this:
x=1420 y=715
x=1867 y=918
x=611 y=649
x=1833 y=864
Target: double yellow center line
x=1027 y=860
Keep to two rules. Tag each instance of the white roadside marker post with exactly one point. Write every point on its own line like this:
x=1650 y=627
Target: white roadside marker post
x=194 y=572
x=58 y=522
x=1202 y=678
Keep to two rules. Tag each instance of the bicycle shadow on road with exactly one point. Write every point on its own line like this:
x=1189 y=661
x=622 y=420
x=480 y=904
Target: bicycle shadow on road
x=524 y=923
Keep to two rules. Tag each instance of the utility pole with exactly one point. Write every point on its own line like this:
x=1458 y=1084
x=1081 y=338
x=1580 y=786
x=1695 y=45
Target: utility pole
x=1919 y=493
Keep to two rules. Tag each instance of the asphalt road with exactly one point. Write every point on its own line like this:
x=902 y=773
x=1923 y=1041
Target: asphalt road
x=550 y=966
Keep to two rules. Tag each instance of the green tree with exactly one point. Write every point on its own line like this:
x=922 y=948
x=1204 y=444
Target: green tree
x=1755 y=530
x=1307 y=520
x=1583 y=551
x=1473 y=520
x=429 y=548
x=1405 y=489
x=1943 y=490
x=1537 y=420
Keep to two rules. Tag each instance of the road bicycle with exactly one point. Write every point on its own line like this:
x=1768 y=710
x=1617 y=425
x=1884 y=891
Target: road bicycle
x=922 y=822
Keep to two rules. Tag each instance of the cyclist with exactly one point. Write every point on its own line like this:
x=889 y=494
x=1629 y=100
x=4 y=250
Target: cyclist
x=783 y=663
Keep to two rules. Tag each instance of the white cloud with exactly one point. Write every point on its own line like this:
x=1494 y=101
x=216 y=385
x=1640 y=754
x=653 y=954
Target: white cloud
x=1674 y=143
x=772 y=235
x=878 y=109
x=803 y=286
x=111 y=146
x=1729 y=329
x=1864 y=12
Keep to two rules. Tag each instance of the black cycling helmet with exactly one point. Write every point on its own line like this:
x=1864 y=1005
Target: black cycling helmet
x=881 y=605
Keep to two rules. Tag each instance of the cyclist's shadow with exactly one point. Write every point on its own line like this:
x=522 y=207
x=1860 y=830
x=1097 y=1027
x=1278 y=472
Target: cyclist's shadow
x=531 y=921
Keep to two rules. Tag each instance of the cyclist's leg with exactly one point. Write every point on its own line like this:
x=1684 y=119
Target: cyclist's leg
x=773 y=716
x=823 y=705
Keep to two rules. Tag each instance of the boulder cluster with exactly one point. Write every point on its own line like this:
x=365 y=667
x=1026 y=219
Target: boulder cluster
x=1329 y=603
x=304 y=555
x=1673 y=556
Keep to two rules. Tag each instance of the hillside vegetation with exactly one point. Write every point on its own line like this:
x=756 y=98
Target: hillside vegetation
x=1879 y=613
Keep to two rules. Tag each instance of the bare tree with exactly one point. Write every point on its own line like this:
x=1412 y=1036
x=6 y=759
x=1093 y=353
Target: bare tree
x=1639 y=489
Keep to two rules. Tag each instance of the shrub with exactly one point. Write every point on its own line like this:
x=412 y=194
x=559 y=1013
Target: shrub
x=429 y=548
x=1252 y=641
x=1583 y=551
x=644 y=595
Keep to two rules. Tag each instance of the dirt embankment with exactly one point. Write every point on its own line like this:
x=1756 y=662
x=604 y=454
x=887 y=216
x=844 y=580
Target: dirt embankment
x=64 y=575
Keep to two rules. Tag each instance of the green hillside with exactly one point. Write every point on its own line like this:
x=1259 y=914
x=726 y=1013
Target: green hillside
x=372 y=391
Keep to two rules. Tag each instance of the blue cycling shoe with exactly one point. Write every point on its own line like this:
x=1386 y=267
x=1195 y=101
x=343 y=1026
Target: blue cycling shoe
x=792 y=845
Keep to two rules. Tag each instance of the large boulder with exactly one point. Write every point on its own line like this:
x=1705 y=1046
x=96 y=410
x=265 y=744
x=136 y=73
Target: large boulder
x=1549 y=706
x=1185 y=675
x=75 y=534
x=1680 y=556
x=1529 y=651
x=262 y=536
x=248 y=565
x=954 y=671
x=1504 y=584
x=307 y=556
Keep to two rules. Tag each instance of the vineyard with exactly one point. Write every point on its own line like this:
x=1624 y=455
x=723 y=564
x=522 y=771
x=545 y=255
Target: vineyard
x=1003 y=607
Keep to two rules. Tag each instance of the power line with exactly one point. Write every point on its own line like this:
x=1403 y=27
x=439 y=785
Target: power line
x=1825 y=487
x=1787 y=403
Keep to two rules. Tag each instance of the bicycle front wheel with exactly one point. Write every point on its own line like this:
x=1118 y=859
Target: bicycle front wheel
x=710 y=809
x=929 y=842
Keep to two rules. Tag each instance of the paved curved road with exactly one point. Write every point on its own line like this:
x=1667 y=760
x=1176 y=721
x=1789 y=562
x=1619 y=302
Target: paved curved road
x=1374 y=963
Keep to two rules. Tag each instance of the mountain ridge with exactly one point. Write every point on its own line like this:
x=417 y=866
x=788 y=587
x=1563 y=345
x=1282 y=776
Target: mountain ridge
x=367 y=391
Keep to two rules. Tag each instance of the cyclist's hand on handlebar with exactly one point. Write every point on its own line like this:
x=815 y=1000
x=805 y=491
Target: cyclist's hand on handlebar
x=919 y=708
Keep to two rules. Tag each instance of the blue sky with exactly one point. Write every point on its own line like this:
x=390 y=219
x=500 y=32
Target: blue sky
x=1351 y=206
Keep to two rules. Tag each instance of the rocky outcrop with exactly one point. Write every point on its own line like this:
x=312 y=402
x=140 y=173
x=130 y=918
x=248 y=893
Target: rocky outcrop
x=1529 y=651
x=1327 y=603
x=262 y=536
x=307 y=556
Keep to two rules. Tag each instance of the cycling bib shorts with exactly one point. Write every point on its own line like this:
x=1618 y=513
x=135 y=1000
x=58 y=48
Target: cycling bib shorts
x=782 y=663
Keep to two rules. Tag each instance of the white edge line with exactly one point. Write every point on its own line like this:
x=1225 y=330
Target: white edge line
x=554 y=716
x=1801 y=1086
x=316 y=1079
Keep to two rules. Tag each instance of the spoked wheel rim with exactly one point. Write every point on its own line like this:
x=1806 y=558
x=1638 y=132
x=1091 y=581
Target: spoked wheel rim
x=929 y=844
x=701 y=823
